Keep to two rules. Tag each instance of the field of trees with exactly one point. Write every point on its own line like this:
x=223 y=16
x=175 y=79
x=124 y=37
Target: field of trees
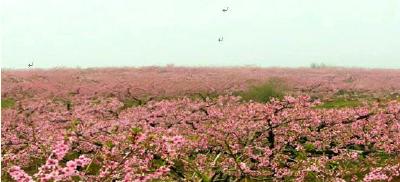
x=200 y=124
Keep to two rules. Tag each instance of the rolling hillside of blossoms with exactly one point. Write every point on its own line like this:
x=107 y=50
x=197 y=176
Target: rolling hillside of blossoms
x=200 y=124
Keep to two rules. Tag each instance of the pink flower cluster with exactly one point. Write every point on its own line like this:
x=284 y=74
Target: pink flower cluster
x=383 y=173
x=19 y=175
x=52 y=170
x=185 y=139
x=376 y=175
x=170 y=81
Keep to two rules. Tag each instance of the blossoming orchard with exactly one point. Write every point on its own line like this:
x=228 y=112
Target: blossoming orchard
x=204 y=124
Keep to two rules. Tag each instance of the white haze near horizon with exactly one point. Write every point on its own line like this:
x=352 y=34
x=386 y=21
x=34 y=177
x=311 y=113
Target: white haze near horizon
x=281 y=33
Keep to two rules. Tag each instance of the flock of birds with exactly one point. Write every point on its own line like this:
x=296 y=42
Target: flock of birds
x=223 y=10
x=219 y=39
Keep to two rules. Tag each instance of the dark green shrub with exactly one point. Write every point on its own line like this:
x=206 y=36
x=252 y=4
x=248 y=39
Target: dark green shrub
x=273 y=88
x=318 y=65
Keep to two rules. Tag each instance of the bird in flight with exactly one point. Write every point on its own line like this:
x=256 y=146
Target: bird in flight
x=220 y=39
x=225 y=10
x=30 y=65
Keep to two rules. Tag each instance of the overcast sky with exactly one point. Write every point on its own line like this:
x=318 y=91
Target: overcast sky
x=288 y=33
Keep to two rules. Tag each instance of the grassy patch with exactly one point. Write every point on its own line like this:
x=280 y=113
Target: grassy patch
x=312 y=176
x=339 y=103
x=7 y=103
x=274 y=88
x=135 y=102
x=128 y=103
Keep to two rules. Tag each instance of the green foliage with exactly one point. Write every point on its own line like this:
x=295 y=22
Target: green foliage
x=73 y=125
x=157 y=162
x=97 y=143
x=353 y=167
x=76 y=178
x=333 y=165
x=109 y=144
x=295 y=154
x=178 y=169
x=136 y=130
x=130 y=103
x=5 y=176
x=301 y=155
x=32 y=168
x=309 y=147
x=362 y=165
x=93 y=168
x=383 y=157
x=7 y=103
x=274 y=88
x=34 y=165
x=356 y=147
x=339 y=103
x=70 y=156
x=312 y=176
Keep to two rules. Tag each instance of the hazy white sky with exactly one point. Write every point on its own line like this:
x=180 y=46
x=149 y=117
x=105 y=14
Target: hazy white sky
x=290 y=33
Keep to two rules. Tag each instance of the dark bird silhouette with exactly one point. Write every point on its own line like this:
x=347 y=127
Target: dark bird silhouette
x=220 y=39
x=30 y=65
x=225 y=10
